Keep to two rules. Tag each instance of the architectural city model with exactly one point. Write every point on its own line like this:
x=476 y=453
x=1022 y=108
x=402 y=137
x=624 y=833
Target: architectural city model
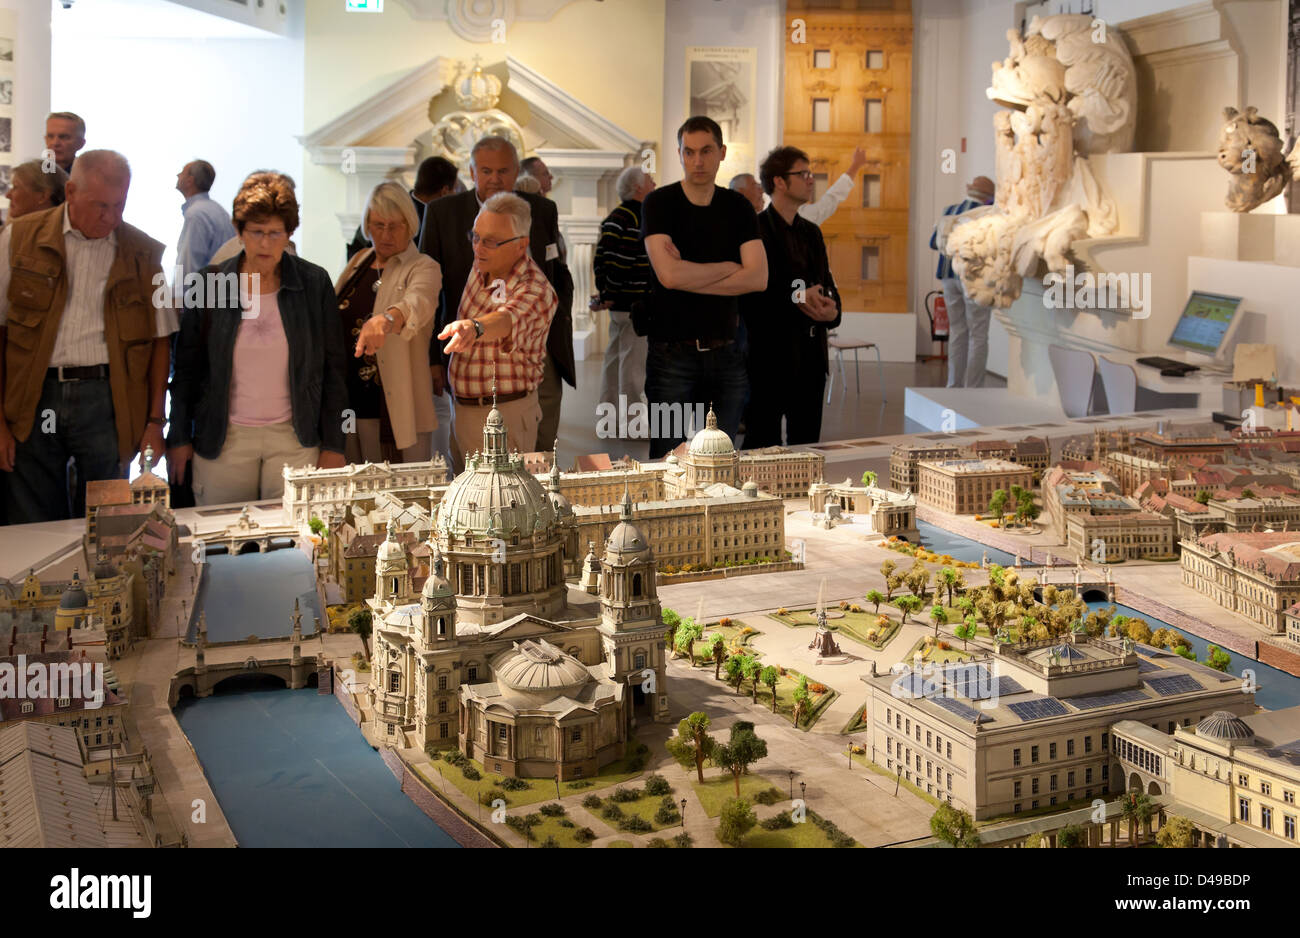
x=499 y=658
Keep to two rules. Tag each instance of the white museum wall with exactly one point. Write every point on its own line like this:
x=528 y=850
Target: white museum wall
x=31 y=76
x=594 y=51
x=758 y=24
x=236 y=103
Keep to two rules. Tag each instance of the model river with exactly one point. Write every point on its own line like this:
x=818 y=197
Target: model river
x=289 y=767
x=1276 y=689
x=253 y=594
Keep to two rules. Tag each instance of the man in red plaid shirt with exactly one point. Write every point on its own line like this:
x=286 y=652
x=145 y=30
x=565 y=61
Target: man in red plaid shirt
x=499 y=335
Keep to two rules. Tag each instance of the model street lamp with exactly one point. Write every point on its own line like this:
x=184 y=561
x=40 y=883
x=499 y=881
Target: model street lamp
x=803 y=792
x=683 y=814
x=792 y=784
x=850 y=753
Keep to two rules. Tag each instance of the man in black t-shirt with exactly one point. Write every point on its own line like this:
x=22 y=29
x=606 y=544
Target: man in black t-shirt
x=705 y=253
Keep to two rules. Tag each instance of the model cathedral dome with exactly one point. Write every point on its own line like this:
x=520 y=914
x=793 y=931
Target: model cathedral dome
x=490 y=631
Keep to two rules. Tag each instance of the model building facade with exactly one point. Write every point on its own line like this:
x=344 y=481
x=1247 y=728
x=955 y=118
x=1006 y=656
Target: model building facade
x=964 y=486
x=488 y=656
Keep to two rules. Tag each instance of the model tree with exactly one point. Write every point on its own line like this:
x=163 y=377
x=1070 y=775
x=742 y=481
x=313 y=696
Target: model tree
x=954 y=827
x=949 y=579
x=1217 y=658
x=875 y=597
x=1203 y=496
x=688 y=633
x=965 y=631
x=672 y=620
x=1026 y=510
x=1072 y=835
x=918 y=579
x=736 y=665
x=736 y=820
x=939 y=616
x=887 y=567
x=801 y=699
x=908 y=605
x=998 y=503
x=892 y=582
x=692 y=744
x=1138 y=809
x=1177 y=832
x=718 y=644
x=869 y=479
x=753 y=673
x=770 y=676
x=742 y=750
x=360 y=621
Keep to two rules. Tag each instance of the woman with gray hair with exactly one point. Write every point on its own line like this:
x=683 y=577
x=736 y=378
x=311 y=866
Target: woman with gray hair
x=390 y=290
x=32 y=189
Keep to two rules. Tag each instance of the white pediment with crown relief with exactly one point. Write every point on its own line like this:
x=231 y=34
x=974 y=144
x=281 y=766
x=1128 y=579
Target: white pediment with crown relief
x=389 y=132
x=443 y=106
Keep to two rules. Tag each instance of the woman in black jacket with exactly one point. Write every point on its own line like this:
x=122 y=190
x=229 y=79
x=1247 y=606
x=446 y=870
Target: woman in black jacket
x=259 y=373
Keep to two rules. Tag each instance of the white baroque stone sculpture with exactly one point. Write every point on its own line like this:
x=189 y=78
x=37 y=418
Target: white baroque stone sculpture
x=1073 y=86
x=1252 y=151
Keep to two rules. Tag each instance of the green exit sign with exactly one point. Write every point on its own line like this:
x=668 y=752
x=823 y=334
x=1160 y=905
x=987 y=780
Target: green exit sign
x=363 y=6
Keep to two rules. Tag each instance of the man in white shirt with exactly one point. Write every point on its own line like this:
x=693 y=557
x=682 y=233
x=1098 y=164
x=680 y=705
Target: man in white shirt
x=84 y=327
x=817 y=212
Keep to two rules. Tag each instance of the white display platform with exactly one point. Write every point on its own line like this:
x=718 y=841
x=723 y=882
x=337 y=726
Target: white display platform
x=38 y=546
x=947 y=409
x=972 y=408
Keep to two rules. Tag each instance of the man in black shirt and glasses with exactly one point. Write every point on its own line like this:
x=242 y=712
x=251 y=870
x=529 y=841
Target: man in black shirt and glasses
x=705 y=254
x=788 y=322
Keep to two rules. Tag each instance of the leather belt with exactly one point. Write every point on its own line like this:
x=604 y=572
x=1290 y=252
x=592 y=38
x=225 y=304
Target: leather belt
x=487 y=401
x=78 y=372
x=692 y=345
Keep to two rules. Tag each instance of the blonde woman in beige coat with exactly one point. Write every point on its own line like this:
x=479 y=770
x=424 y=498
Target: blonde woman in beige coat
x=388 y=296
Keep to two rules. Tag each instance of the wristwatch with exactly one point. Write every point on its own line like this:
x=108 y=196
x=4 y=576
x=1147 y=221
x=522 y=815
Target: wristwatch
x=157 y=421
x=389 y=316
x=478 y=328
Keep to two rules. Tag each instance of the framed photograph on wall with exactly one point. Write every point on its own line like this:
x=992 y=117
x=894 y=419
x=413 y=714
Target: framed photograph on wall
x=721 y=84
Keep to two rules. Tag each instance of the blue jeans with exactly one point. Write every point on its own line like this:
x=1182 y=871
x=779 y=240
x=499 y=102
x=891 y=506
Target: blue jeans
x=74 y=422
x=676 y=373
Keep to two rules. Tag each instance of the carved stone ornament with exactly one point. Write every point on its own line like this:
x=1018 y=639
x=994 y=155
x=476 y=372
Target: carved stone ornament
x=477 y=94
x=1253 y=153
x=1074 y=88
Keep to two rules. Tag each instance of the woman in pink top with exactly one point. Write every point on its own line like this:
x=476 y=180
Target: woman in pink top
x=258 y=381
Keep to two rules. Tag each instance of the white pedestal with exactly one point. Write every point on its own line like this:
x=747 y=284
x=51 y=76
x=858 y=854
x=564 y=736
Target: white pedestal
x=1234 y=236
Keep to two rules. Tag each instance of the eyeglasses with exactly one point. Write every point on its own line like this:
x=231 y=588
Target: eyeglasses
x=489 y=243
x=265 y=235
x=802 y=174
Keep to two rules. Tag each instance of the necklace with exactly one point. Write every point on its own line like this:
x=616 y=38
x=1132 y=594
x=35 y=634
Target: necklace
x=378 y=280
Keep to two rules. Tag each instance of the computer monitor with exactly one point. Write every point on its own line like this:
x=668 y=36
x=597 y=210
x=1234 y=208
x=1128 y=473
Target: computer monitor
x=1207 y=323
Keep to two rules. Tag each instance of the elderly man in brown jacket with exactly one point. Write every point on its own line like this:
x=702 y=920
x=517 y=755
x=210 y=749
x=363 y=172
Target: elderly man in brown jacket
x=84 y=329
